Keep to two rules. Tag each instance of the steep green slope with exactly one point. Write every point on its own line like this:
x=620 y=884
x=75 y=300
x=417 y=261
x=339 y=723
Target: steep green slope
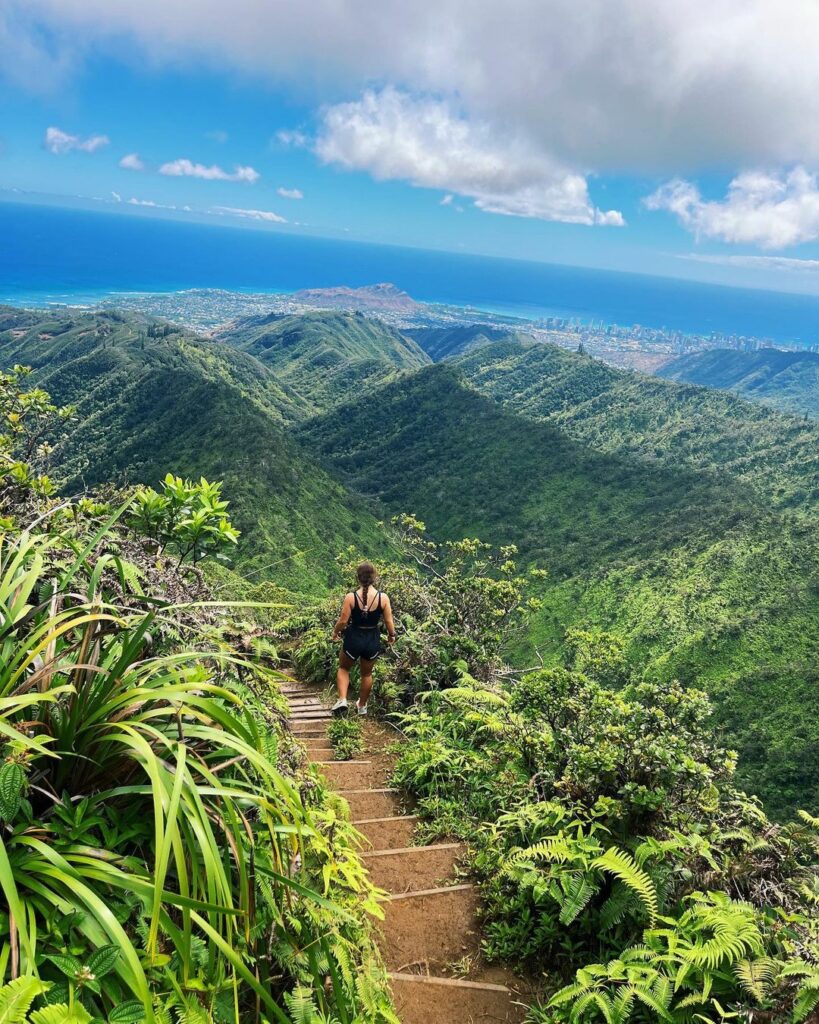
x=469 y=467
x=325 y=357
x=655 y=421
x=692 y=569
x=445 y=342
x=147 y=405
x=788 y=381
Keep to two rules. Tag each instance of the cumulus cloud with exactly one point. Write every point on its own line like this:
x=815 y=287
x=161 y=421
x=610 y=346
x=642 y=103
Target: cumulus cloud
x=132 y=162
x=187 y=168
x=606 y=84
x=59 y=142
x=266 y=215
x=771 y=210
x=290 y=193
x=393 y=135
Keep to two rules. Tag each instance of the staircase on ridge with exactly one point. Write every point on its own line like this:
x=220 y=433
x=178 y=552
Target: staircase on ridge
x=430 y=921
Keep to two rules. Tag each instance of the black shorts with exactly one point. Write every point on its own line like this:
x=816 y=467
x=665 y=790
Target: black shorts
x=362 y=643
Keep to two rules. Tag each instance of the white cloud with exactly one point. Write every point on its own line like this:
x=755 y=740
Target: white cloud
x=132 y=162
x=771 y=210
x=116 y=197
x=292 y=137
x=447 y=200
x=142 y=202
x=290 y=193
x=784 y=264
x=605 y=84
x=393 y=135
x=187 y=168
x=59 y=142
x=265 y=215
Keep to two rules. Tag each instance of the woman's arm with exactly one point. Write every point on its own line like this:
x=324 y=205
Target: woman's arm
x=344 y=617
x=388 y=619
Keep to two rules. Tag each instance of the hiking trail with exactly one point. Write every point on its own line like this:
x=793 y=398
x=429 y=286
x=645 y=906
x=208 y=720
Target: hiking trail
x=430 y=938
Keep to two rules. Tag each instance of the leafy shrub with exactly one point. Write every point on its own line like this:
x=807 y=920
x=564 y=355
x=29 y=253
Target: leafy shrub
x=163 y=855
x=346 y=737
x=188 y=519
x=604 y=824
x=26 y=420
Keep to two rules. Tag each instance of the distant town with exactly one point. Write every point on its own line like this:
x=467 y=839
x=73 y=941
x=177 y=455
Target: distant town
x=636 y=346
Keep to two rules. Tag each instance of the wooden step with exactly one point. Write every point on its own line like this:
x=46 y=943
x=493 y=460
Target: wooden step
x=433 y=928
x=388 y=833
x=422 y=999
x=310 y=716
x=371 y=803
x=412 y=868
x=351 y=774
x=320 y=746
x=305 y=702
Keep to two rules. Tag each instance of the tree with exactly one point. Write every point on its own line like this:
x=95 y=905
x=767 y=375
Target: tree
x=27 y=418
x=189 y=519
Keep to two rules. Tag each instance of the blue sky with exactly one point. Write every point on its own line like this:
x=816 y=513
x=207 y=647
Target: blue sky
x=666 y=142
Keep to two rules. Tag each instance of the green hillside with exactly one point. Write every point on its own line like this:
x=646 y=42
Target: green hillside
x=445 y=342
x=788 y=381
x=656 y=421
x=691 y=568
x=325 y=357
x=147 y=405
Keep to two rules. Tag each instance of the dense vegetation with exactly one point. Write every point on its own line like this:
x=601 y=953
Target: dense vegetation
x=615 y=854
x=445 y=342
x=147 y=401
x=788 y=381
x=655 y=421
x=164 y=854
x=703 y=581
x=683 y=519
x=326 y=358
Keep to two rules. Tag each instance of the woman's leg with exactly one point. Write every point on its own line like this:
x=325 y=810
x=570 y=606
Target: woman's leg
x=345 y=663
x=366 y=682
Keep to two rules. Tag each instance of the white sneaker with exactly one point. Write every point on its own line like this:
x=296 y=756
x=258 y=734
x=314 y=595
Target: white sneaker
x=361 y=709
x=340 y=707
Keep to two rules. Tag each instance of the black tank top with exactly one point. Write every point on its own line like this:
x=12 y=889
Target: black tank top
x=363 y=617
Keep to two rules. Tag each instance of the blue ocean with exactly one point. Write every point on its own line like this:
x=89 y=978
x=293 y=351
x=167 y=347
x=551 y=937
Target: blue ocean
x=51 y=254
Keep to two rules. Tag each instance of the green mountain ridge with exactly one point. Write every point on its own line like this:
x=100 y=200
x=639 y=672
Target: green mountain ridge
x=149 y=405
x=655 y=421
x=788 y=381
x=325 y=357
x=447 y=342
x=681 y=518
x=692 y=567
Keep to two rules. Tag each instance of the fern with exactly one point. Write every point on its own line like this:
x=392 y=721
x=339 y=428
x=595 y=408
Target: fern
x=624 y=867
x=756 y=976
x=16 y=998
x=301 y=1006
x=576 y=899
x=616 y=906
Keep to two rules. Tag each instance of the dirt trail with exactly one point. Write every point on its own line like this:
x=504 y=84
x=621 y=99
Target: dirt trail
x=430 y=938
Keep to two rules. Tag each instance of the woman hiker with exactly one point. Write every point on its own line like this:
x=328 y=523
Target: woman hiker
x=359 y=624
